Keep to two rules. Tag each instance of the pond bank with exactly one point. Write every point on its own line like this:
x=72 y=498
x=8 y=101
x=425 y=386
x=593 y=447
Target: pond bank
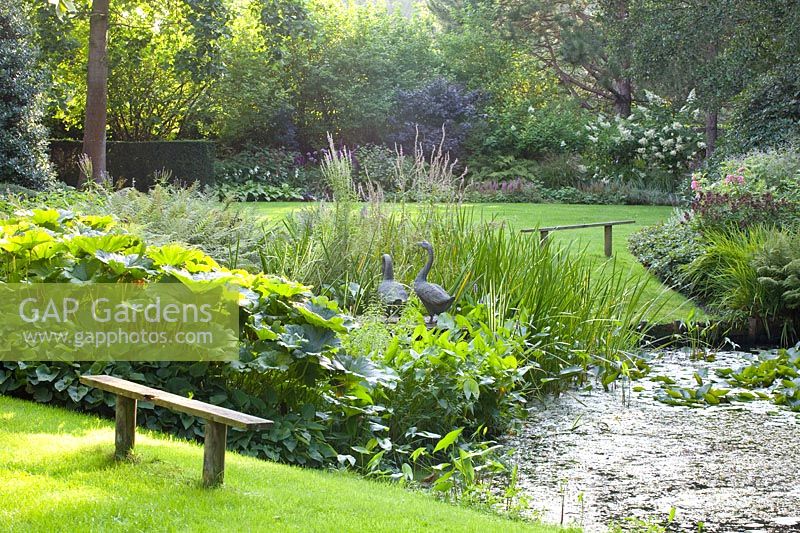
x=594 y=460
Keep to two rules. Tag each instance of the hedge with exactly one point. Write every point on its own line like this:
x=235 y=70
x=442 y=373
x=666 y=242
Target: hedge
x=136 y=162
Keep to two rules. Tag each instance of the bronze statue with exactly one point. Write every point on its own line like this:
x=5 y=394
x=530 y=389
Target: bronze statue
x=392 y=293
x=435 y=299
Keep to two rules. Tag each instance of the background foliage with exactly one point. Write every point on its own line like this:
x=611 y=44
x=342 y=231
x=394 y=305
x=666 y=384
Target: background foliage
x=23 y=141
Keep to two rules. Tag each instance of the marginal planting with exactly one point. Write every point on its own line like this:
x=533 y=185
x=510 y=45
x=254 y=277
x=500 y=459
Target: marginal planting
x=735 y=249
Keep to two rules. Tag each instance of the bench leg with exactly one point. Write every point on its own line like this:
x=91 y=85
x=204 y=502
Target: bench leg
x=214 y=454
x=609 y=247
x=125 y=435
x=542 y=238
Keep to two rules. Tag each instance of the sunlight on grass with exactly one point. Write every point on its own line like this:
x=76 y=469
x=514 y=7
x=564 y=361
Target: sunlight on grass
x=66 y=480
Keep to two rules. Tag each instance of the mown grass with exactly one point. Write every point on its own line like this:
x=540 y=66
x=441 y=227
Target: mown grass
x=520 y=216
x=57 y=474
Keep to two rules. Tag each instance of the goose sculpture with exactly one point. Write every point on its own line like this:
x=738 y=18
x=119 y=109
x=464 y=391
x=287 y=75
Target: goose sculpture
x=435 y=299
x=391 y=292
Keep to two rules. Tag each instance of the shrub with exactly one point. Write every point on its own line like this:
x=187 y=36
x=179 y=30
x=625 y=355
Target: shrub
x=23 y=139
x=777 y=169
x=761 y=188
x=139 y=163
x=254 y=191
x=505 y=168
x=739 y=208
x=272 y=166
x=376 y=164
x=599 y=195
x=560 y=170
x=656 y=143
x=424 y=114
x=666 y=248
x=516 y=190
x=534 y=132
x=361 y=56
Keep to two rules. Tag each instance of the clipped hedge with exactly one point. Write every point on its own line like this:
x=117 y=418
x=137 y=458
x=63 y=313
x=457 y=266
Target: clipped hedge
x=136 y=162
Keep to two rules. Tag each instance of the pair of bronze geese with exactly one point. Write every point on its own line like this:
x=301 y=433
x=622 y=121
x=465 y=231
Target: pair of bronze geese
x=435 y=299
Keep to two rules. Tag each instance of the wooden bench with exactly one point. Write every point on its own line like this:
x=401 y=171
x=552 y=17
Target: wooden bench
x=544 y=232
x=217 y=421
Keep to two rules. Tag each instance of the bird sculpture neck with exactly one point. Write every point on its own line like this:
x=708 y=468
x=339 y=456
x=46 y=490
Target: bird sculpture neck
x=423 y=274
x=388 y=269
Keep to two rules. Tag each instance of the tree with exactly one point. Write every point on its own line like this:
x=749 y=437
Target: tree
x=361 y=58
x=715 y=47
x=586 y=43
x=23 y=139
x=94 y=128
x=167 y=61
x=298 y=71
x=153 y=79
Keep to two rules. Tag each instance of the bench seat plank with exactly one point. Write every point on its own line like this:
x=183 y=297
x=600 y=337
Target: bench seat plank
x=197 y=408
x=579 y=226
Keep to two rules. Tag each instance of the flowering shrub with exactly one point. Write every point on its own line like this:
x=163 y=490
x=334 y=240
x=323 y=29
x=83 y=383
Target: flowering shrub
x=655 y=139
x=255 y=191
x=778 y=170
x=741 y=198
x=269 y=166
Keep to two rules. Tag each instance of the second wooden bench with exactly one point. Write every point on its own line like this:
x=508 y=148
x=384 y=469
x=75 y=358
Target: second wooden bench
x=609 y=248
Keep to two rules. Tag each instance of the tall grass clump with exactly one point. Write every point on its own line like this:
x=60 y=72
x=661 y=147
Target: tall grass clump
x=751 y=273
x=724 y=275
x=428 y=177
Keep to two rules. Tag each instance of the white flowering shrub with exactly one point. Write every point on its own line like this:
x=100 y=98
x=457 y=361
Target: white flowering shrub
x=656 y=142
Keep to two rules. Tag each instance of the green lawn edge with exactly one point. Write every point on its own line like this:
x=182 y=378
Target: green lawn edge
x=57 y=474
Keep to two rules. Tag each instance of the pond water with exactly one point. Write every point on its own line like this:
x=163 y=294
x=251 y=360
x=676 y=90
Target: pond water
x=591 y=458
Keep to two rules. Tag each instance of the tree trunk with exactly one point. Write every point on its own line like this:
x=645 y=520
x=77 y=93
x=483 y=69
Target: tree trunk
x=622 y=97
x=94 y=128
x=711 y=132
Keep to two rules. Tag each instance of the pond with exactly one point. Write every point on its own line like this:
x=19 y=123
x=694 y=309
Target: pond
x=591 y=458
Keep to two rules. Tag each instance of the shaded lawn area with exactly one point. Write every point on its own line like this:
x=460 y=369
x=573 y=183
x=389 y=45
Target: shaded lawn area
x=57 y=474
x=522 y=216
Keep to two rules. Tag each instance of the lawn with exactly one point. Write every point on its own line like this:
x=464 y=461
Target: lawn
x=57 y=474
x=519 y=216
